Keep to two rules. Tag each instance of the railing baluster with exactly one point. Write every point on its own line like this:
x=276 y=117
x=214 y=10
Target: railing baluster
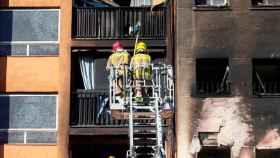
x=112 y=23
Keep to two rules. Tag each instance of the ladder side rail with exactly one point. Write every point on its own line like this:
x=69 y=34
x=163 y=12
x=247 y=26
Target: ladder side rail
x=159 y=131
x=171 y=85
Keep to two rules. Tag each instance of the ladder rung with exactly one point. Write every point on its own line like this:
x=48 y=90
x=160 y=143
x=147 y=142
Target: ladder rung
x=144 y=138
x=142 y=154
x=144 y=117
x=146 y=146
x=145 y=131
x=143 y=107
x=144 y=123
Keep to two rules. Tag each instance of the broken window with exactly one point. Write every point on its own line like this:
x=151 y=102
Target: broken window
x=265 y=2
x=214 y=152
x=215 y=3
x=268 y=153
x=266 y=76
x=212 y=77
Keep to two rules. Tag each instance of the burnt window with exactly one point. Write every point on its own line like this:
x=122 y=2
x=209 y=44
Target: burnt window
x=265 y=2
x=212 y=77
x=266 y=76
x=214 y=152
x=215 y=3
x=268 y=153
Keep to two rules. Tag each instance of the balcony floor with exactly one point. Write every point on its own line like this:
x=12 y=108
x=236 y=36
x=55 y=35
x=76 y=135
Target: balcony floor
x=99 y=130
x=94 y=43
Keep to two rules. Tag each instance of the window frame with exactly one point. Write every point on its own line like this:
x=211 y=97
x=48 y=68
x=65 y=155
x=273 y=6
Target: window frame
x=212 y=7
x=207 y=94
x=254 y=80
x=264 y=6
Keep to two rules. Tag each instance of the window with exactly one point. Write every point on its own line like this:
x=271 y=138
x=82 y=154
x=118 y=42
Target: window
x=29 y=32
x=214 y=3
x=268 y=153
x=28 y=118
x=93 y=72
x=265 y=2
x=214 y=152
x=212 y=77
x=266 y=75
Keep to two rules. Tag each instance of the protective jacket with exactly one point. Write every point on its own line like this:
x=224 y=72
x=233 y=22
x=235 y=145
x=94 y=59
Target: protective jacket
x=118 y=60
x=141 y=67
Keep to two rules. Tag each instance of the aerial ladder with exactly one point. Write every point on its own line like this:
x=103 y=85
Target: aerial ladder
x=145 y=116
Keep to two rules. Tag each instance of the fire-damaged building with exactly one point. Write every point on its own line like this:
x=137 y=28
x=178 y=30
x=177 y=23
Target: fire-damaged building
x=227 y=76
x=219 y=59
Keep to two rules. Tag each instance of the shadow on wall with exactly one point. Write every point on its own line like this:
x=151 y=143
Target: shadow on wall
x=4 y=3
x=1 y=151
x=98 y=146
x=5 y=49
x=266 y=123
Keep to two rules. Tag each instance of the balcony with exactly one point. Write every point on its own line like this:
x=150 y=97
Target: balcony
x=212 y=77
x=114 y=22
x=266 y=77
x=87 y=112
x=267 y=88
x=212 y=89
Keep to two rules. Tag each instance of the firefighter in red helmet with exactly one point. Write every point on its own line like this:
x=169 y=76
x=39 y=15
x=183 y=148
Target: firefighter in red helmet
x=118 y=59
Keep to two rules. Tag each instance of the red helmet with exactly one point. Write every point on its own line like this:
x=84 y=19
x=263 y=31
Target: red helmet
x=117 y=46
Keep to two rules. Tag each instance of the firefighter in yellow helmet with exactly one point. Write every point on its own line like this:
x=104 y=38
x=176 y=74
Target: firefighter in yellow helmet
x=118 y=60
x=141 y=68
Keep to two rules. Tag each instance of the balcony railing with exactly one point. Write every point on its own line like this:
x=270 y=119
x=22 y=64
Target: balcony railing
x=86 y=111
x=268 y=88
x=212 y=88
x=114 y=23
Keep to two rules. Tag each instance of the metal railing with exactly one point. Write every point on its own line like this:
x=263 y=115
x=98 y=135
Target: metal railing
x=86 y=110
x=268 y=88
x=114 y=22
x=212 y=88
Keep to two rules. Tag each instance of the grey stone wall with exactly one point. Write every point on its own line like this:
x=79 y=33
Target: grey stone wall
x=240 y=34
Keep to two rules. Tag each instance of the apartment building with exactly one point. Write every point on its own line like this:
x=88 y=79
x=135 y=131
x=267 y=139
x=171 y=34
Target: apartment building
x=94 y=128
x=34 y=52
x=48 y=109
x=228 y=101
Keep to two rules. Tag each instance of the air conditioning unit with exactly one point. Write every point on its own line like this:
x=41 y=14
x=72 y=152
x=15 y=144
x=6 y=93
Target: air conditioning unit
x=218 y=3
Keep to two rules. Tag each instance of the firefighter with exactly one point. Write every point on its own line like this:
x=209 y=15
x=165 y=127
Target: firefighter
x=141 y=68
x=118 y=59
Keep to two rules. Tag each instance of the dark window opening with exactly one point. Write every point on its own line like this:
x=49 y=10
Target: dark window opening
x=265 y=2
x=268 y=153
x=266 y=75
x=98 y=146
x=215 y=3
x=100 y=75
x=212 y=77
x=214 y=152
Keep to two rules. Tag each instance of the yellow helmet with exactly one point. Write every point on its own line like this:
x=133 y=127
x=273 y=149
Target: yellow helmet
x=141 y=46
